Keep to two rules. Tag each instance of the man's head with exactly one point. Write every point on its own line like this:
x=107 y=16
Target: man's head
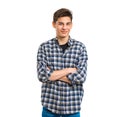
x=62 y=13
x=62 y=22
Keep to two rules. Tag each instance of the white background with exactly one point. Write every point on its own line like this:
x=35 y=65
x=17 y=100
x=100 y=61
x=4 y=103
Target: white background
x=25 y=24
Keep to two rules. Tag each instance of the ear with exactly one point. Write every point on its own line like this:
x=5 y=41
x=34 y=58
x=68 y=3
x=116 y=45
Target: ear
x=53 y=24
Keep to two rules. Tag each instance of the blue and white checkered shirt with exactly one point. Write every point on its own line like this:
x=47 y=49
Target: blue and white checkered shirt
x=57 y=96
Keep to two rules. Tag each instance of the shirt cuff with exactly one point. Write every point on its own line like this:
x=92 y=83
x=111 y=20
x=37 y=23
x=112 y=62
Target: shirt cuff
x=49 y=72
x=71 y=78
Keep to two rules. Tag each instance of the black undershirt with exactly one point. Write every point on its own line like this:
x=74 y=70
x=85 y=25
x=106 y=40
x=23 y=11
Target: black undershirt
x=64 y=47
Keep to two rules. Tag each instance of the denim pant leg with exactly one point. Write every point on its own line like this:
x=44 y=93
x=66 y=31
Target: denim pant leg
x=47 y=113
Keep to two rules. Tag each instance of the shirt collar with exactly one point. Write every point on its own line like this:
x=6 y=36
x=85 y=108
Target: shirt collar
x=70 y=41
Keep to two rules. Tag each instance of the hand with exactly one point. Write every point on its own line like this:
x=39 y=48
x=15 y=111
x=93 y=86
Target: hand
x=72 y=70
x=65 y=79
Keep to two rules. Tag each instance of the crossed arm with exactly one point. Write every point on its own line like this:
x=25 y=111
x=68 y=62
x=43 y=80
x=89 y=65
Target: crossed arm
x=62 y=74
x=69 y=75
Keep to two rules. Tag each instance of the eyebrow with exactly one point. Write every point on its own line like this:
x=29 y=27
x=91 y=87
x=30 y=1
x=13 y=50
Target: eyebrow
x=66 y=22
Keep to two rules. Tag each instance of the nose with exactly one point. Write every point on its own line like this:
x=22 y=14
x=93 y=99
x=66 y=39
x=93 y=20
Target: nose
x=64 y=26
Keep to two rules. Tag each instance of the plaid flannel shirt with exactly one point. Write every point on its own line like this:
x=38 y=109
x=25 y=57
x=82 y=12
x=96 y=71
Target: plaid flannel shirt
x=57 y=96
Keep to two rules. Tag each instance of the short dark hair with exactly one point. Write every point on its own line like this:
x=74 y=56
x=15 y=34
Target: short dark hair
x=62 y=13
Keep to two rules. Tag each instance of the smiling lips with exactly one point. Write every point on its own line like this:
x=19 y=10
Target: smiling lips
x=64 y=32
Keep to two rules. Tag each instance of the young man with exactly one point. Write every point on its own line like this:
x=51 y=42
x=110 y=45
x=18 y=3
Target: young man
x=62 y=67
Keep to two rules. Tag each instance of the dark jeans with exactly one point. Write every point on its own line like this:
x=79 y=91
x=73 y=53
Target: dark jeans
x=47 y=113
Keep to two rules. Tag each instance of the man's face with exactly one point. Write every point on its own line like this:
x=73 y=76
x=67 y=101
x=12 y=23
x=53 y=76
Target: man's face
x=63 y=26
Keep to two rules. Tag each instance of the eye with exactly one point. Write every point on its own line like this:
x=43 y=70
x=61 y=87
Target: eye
x=69 y=23
x=60 y=23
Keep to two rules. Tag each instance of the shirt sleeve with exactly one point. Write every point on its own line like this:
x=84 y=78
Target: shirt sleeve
x=80 y=75
x=42 y=69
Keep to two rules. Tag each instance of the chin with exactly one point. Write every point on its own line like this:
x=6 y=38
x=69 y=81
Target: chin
x=63 y=36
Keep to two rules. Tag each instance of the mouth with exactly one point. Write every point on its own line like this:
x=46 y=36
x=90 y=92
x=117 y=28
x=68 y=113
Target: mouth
x=64 y=32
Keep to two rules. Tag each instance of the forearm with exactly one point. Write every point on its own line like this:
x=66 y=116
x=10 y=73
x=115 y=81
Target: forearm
x=80 y=76
x=58 y=74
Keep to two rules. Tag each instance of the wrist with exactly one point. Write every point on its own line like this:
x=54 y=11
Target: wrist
x=68 y=70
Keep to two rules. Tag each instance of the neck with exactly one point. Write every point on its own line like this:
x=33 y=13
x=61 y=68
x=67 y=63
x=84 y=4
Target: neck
x=62 y=41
